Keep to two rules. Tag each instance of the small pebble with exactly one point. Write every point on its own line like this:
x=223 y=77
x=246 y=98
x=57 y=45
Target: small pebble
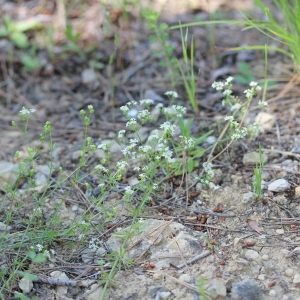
x=280 y=231
x=252 y=254
x=279 y=185
x=296 y=278
x=265 y=257
x=297 y=191
x=261 y=277
x=164 y=295
x=246 y=290
x=272 y=293
x=296 y=250
x=185 y=278
x=289 y=272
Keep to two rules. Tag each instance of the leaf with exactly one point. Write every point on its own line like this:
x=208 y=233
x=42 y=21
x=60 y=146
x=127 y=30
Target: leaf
x=190 y=165
x=3 y=32
x=254 y=225
x=30 y=63
x=29 y=276
x=19 y=39
x=26 y=25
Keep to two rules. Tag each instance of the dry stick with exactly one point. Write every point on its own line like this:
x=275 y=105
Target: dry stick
x=80 y=192
x=287 y=88
x=200 y=256
x=50 y=280
x=184 y=261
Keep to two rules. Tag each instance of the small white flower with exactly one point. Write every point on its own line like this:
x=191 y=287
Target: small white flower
x=145 y=148
x=104 y=146
x=124 y=109
x=100 y=168
x=37 y=210
x=218 y=85
x=159 y=105
x=187 y=143
x=47 y=253
x=180 y=110
x=121 y=133
x=227 y=92
x=39 y=247
x=263 y=104
x=142 y=176
x=248 y=93
x=172 y=94
x=168 y=128
x=146 y=102
x=122 y=165
x=93 y=244
x=229 y=118
x=131 y=123
x=239 y=133
x=25 y=112
x=253 y=84
x=235 y=106
x=129 y=191
x=229 y=79
x=144 y=114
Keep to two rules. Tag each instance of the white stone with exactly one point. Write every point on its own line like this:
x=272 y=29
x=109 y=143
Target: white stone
x=280 y=231
x=249 y=197
x=25 y=285
x=272 y=293
x=4 y=227
x=289 y=272
x=96 y=292
x=217 y=289
x=252 y=255
x=185 y=278
x=164 y=295
x=296 y=278
x=41 y=182
x=88 y=76
x=8 y=173
x=296 y=250
x=266 y=120
x=99 y=153
x=279 y=185
x=297 y=191
x=211 y=139
x=261 y=277
x=253 y=158
x=265 y=257
x=133 y=181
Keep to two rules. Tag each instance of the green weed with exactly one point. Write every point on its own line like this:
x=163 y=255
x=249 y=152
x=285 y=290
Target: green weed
x=161 y=36
x=188 y=75
x=258 y=170
x=15 y=31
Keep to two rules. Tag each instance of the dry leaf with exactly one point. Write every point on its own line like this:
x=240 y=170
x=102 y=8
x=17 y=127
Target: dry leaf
x=254 y=225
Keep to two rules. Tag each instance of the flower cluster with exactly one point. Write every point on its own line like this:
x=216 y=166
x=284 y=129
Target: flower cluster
x=187 y=143
x=171 y=94
x=209 y=173
x=174 y=110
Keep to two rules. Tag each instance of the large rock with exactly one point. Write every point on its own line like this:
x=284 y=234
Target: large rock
x=161 y=242
x=8 y=173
